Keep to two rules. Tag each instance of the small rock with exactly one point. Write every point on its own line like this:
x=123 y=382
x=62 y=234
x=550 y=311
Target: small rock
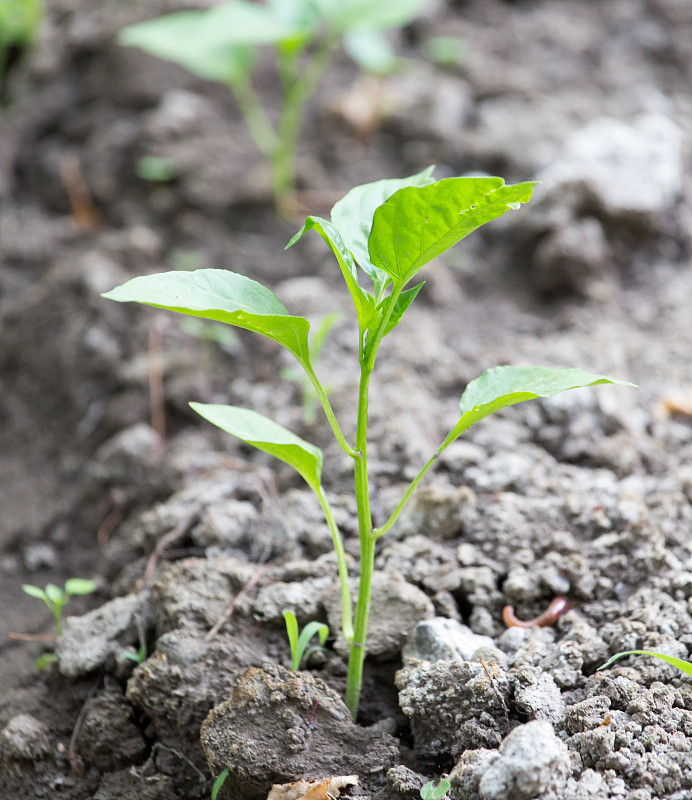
x=441 y=639
x=532 y=760
x=25 y=738
x=467 y=774
x=537 y=695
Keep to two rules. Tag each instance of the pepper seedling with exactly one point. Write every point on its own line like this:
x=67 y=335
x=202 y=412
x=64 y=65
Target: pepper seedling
x=435 y=791
x=299 y=643
x=682 y=665
x=386 y=231
x=56 y=598
x=222 y=43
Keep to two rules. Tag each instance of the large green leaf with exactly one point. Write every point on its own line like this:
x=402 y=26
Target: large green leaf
x=224 y=296
x=418 y=223
x=343 y=15
x=187 y=39
x=363 y=301
x=353 y=217
x=267 y=435
x=500 y=387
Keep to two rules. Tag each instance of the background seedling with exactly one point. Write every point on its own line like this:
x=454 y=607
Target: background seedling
x=299 y=643
x=386 y=231
x=683 y=666
x=19 y=23
x=218 y=783
x=435 y=791
x=56 y=598
x=316 y=343
x=221 y=44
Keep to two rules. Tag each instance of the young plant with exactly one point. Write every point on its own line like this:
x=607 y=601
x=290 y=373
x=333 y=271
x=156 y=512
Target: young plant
x=218 y=783
x=683 y=666
x=299 y=644
x=434 y=791
x=388 y=231
x=56 y=598
x=315 y=344
x=221 y=44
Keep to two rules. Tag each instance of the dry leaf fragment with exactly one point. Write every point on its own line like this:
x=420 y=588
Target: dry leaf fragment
x=671 y=404
x=327 y=789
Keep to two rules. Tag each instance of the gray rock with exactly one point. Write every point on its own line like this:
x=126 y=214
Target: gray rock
x=25 y=738
x=96 y=639
x=303 y=598
x=532 y=760
x=441 y=639
x=630 y=169
x=537 y=695
x=466 y=775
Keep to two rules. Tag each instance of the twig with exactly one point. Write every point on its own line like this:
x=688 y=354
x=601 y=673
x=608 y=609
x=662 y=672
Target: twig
x=84 y=212
x=172 y=536
x=33 y=637
x=230 y=608
x=497 y=691
x=73 y=756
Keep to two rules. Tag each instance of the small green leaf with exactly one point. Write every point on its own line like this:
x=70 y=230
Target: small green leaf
x=363 y=301
x=371 y=50
x=292 y=633
x=400 y=306
x=55 y=594
x=435 y=791
x=306 y=634
x=80 y=586
x=223 y=296
x=45 y=660
x=353 y=217
x=683 y=666
x=267 y=435
x=418 y=223
x=35 y=591
x=218 y=783
x=500 y=387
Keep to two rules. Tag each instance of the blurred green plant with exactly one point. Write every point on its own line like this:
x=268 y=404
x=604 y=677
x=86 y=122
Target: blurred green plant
x=299 y=643
x=56 y=598
x=19 y=23
x=435 y=790
x=221 y=44
x=683 y=666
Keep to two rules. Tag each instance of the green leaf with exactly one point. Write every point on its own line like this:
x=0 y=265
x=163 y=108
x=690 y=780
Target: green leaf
x=292 y=633
x=363 y=301
x=402 y=303
x=45 y=660
x=306 y=634
x=218 y=783
x=418 y=223
x=343 y=15
x=267 y=435
x=435 y=791
x=684 y=666
x=500 y=387
x=35 y=591
x=190 y=39
x=223 y=296
x=55 y=594
x=80 y=586
x=353 y=217
x=371 y=50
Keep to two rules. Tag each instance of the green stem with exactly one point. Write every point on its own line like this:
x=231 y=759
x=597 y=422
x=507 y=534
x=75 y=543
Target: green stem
x=451 y=437
x=256 y=119
x=329 y=413
x=299 y=88
x=346 y=604
x=356 y=657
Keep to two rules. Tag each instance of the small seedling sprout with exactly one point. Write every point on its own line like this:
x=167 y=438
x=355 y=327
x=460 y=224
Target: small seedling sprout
x=56 y=598
x=387 y=232
x=19 y=23
x=222 y=43
x=434 y=791
x=683 y=666
x=218 y=783
x=299 y=643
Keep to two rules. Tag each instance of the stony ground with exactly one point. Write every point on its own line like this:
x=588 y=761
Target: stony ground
x=587 y=496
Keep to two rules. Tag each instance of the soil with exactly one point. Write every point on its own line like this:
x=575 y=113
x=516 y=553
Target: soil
x=106 y=473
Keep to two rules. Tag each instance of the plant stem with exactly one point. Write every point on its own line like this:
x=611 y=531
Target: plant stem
x=346 y=610
x=256 y=119
x=356 y=657
x=301 y=87
x=329 y=413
